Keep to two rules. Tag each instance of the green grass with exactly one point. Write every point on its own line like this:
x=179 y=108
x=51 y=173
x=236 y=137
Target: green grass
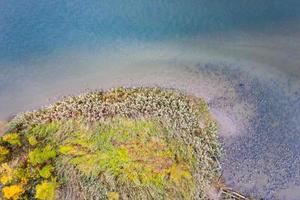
x=124 y=143
x=131 y=153
x=137 y=153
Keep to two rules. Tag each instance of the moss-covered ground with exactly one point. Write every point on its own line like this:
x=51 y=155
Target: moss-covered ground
x=125 y=143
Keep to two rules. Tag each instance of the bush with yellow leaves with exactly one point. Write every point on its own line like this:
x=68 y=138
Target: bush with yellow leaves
x=46 y=190
x=13 y=191
x=41 y=155
x=6 y=174
x=113 y=196
x=46 y=171
x=3 y=152
x=12 y=138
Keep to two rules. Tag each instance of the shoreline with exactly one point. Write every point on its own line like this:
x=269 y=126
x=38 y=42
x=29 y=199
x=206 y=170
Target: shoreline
x=242 y=99
x=219 y=118
x=3 y=127
x=222 y=99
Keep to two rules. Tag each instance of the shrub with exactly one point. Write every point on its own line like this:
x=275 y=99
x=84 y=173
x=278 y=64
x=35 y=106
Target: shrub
x=70 y=150
x=113 y=196
x=3 y=152
x=12 y=138
x=32 y=140
x=12 y=192
x=46 y=171
x=25 y=174
x=6 y=174
x=41 y=155
x=46 y=190
x=43 y=130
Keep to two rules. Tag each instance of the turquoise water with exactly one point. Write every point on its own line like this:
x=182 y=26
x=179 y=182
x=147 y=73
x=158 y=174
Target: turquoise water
x=31 y=27
x=242 y=56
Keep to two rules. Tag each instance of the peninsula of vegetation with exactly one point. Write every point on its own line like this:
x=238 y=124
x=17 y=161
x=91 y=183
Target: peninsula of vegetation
x=124 y=143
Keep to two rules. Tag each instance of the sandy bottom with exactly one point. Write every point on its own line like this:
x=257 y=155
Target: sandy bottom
x=255 y=100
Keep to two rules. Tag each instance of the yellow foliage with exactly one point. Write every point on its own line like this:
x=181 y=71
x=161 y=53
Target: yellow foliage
x=4 y=168
x=46 y=171
x=41 y=155
x=6 y=174
x=3 y=152
x=46 y=190
x=32 y=140
x=12 y=138
x=86 y=163
x=13 y=191
x=24 y=174
x=6 y=179
x=178 y=173
x=70 y=150
x=113 y=196
x=66 y=150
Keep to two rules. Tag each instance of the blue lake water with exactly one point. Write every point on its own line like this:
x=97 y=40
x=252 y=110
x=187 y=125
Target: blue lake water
x=242 y=56
x=31 y=27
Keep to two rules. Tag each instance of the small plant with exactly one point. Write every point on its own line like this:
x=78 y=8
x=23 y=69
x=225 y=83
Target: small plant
x=12 y=138
x=42 y=131
x=32 y=140
x=24 y=174
x=46 y=171
x=13 y=191
x=41 y=155
x=6 y=174
x=113 y=196
x=70 y=150
x=46 y=190
x=3 y=152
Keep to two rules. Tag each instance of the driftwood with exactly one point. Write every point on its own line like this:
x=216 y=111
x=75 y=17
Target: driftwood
x=228 y=193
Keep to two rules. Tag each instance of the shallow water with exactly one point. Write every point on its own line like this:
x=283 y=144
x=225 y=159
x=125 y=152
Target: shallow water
x=242 y=57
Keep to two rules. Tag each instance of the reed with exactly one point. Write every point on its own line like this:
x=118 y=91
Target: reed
x=125 y=143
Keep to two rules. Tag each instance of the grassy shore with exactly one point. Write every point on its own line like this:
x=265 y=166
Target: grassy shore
x=125 y=143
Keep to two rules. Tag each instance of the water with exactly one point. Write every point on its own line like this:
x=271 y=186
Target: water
x=241 y=56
